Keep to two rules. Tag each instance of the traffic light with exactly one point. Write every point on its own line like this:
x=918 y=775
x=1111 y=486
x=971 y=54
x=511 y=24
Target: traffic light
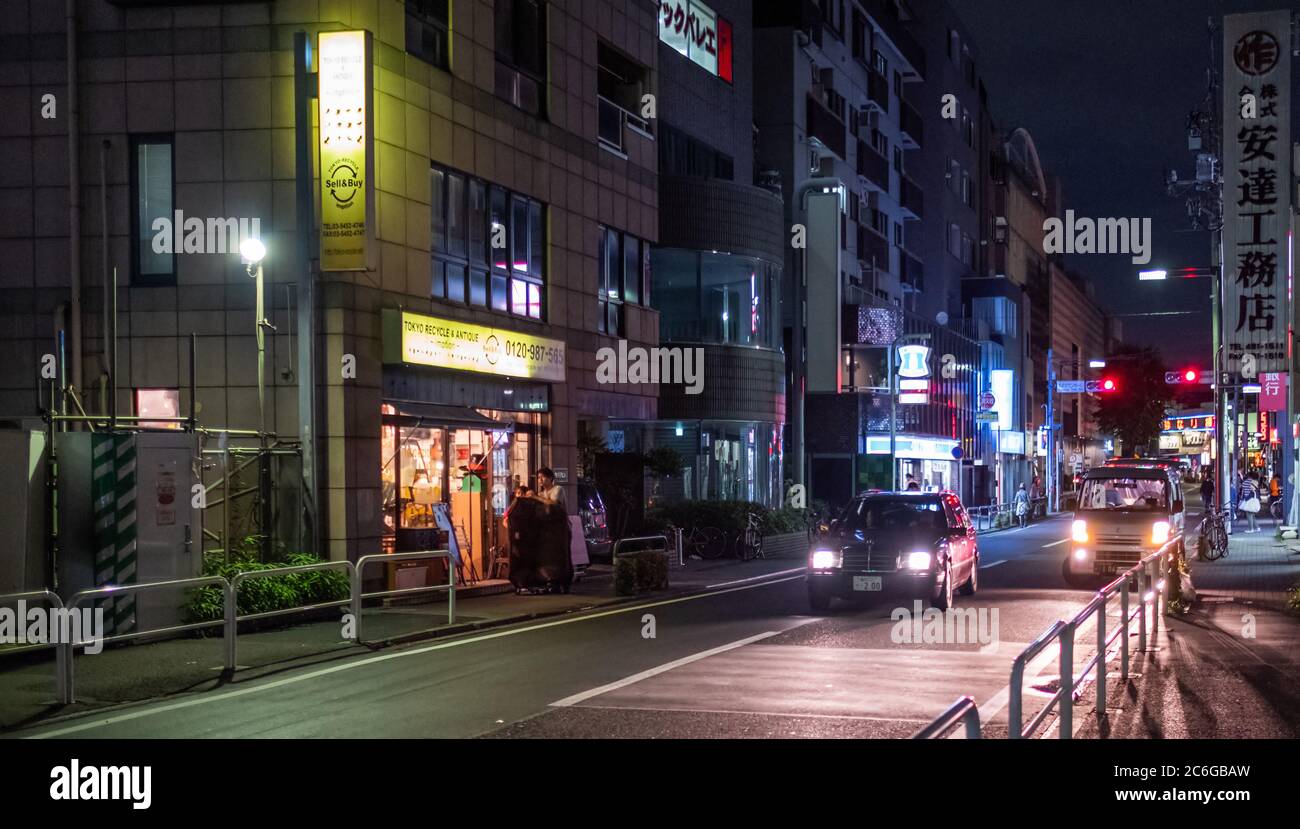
x=1189 y=376
x=1102 y=386
x=1108 y=384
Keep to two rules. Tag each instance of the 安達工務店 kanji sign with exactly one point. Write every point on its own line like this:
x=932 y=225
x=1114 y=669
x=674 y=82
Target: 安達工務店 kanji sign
x=1257 y=188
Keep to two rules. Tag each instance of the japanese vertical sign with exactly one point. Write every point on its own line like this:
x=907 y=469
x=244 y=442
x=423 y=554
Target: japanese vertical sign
x=1272 y=391
x=1256 y=189
x=344 y=132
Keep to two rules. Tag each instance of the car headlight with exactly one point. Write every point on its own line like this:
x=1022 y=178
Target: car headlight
x=1079 y=530
x=825 y=559
x=1160 y=532
x=918 y=561
x=1080 y=554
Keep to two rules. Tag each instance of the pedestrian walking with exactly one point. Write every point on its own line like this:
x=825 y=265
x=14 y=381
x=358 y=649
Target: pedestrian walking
x=1022 y=505
x=1207 y=493
x=1248 y=495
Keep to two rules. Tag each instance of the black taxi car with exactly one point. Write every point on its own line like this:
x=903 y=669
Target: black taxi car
x=919 y=543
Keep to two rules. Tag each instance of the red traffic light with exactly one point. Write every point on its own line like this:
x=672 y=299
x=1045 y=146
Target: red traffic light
x=1108 y=384
x=1190 y=376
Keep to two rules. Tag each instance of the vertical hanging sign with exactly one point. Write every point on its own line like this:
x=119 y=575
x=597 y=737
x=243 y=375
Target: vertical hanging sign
x=1256 y=189
x=344 y=135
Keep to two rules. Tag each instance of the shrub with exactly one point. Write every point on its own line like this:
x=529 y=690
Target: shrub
x=637 y=572
x=261 y=595
x=728 y=516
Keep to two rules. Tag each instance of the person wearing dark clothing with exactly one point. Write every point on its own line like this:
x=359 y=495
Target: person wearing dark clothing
x=1207 y=492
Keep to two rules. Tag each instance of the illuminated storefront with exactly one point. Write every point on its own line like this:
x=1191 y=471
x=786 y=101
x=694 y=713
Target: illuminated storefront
x=464 y=419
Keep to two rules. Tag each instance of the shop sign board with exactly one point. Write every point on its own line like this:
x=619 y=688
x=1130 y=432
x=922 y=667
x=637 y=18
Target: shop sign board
x=416 y=339
x=344 y=80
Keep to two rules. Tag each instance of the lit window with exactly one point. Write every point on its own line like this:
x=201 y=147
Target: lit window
x=158 y=403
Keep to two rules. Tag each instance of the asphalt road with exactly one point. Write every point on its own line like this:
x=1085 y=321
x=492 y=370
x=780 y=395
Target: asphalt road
x=745 y=660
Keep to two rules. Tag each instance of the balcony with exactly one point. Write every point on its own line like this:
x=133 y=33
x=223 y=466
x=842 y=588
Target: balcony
x=911 y=199
x=826 y=127
x=912 y=125
x=885 y=15
x=877 y=90
x=873 y=167
x=873 y=248
x=612 y=119
x=913 y=273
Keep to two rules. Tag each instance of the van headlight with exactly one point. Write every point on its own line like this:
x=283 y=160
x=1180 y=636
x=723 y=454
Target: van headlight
x=1160 y=532
x=1079 y=531
x=826 y=559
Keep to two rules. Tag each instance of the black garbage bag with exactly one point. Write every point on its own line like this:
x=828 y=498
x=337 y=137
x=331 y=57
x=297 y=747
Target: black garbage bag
x=539 y=546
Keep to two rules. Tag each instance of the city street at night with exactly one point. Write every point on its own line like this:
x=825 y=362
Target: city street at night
x=565 y=399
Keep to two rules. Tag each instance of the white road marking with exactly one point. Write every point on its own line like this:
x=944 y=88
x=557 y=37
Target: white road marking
x=993 y=564
x=1054 y=543
x=203 y=700
x=756 y=578
x=668 y=666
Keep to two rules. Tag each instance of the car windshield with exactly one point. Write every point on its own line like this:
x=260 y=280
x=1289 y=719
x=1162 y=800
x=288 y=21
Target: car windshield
x=895 y=515
x=1129 y=494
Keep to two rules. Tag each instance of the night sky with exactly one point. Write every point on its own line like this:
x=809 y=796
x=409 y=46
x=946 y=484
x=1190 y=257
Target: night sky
x=1105 y=88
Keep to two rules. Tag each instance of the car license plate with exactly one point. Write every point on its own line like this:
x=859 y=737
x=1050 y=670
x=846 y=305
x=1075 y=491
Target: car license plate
x=869 y=583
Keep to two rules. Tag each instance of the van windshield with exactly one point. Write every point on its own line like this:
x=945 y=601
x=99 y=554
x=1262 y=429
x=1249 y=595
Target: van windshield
x=1128 y=494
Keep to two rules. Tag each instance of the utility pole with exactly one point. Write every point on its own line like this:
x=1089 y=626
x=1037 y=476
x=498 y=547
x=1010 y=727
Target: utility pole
x=1053 y=504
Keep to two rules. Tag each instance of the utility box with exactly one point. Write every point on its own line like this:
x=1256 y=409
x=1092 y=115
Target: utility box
x=126 y=516
x=23 y=511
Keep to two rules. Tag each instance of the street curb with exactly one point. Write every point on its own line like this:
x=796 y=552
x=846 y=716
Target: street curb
x=487 y=624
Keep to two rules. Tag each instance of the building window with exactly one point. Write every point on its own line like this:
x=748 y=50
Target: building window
x=521 y=53
x=967 y=196
x=682 y=155
x=158 y=403
x=954 y=47
x=153 y=195
x=881 y=64
x=623 y=261
x=426 y=30
x=488 y=245
x=898 y=234
x=954 y=240
x=859 y=36
x=898 y=159
x=620 y=83
x=967 y=251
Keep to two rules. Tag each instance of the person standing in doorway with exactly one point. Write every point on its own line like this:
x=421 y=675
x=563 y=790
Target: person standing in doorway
x=549 y=490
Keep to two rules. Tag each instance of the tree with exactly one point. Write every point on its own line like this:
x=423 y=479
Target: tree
x=1134 y=410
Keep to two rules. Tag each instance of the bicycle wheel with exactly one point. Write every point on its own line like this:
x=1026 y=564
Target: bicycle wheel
x=712 y=542
x=1218 y=541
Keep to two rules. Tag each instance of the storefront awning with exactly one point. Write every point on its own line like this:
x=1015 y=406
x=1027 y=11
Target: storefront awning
x=413 y=413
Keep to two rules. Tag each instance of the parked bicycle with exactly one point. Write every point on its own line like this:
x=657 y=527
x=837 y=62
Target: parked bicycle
x=1212 y=543
x=749 y=542
x=702 y=542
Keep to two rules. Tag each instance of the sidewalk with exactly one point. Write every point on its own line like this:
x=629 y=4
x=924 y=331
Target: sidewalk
x=1230 y=668
x=137 y=671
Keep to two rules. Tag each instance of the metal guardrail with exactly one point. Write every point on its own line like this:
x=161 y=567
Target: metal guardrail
x=60 y=657
x=662 y=539
x=964 y=711
x=232 y=600
x=988 y=514
x=65 y=649
x=1150 y=573
x=358 y=596
x=69 y=648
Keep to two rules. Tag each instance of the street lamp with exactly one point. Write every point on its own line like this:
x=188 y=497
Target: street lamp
x=253 y=251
